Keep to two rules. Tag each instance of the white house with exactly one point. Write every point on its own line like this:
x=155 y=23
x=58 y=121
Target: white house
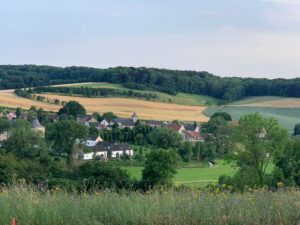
x=102 y=150
x=104 y=123
x=92 y=141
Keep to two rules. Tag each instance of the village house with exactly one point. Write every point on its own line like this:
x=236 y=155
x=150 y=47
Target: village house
x=192 y=136
x=191 y=127
x=126 y=122
x=36 y=126
x=88 y=121
x=91 y=122
x=93 y=140
x=103 y=124
x=102 y=150
x=11 y=116
x=175 y=127
x=155 y=123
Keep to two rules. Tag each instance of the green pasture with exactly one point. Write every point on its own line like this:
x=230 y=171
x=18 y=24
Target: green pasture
x=193 y=176
x=287 y=117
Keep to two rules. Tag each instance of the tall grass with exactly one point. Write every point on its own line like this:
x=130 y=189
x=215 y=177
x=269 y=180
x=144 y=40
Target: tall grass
x=32 y=207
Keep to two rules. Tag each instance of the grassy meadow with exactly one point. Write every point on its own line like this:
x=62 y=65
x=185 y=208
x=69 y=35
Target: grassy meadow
x=196 y=175
x=269 y=102
x=193 y=176
x=287 y=117
x=57 y=207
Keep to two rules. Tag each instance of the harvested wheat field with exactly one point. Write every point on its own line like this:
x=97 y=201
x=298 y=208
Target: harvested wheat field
x=124 y=107
x=10 y=100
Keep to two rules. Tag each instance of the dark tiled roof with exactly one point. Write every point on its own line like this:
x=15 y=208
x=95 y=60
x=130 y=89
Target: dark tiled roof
x=124 y=122
x=106 y=146
x=189 y=126
x=155 y=122
x=93 y=137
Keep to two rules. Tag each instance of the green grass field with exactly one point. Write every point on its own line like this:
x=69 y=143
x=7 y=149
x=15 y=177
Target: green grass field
x=252 y=100
x=194 y=176
x=180 y=98
x=287 y=117
x=190 y=207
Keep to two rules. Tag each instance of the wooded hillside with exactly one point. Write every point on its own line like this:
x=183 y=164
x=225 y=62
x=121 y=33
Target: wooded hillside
x=169 y=81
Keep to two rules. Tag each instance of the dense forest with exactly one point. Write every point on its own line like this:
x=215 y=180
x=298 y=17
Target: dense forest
x=169 y=81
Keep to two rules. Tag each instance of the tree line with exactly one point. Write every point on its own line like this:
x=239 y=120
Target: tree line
x=93 y=92
x=170 y=81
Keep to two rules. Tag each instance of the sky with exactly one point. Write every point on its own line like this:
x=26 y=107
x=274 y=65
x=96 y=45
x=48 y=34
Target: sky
x=248 y=38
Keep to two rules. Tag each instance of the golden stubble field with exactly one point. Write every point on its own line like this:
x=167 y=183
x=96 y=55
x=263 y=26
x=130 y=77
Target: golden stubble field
x=122 y=107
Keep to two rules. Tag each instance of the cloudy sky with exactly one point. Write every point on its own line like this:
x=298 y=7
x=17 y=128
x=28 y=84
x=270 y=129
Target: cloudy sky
x=258 y=38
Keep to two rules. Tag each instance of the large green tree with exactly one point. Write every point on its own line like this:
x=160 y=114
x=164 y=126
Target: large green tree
x=4 y=125
x=219 y=134
x=66 y=137
x=226 y=116
x=160 y=168
x=26 y=143
x=297 y=129
x=288 y=164
x=258 y=139
x=73 y=109
x=99 y=175
x=164 y=138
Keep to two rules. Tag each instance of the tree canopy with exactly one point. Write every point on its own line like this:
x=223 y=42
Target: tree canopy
x=259 y=139
x=72 y=108
x=170 y=81
x=65 y=136
x=160 y=168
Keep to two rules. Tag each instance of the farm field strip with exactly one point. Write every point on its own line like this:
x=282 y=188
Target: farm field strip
x=180 y=98
x=10 y=100
x=268 y=102
x=122 y=107
x=287 y=117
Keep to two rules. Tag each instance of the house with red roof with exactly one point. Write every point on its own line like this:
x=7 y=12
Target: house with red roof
x=175 y=127
x=192 y=136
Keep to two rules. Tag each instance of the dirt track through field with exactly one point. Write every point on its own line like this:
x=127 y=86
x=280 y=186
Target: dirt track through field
x=122 y=107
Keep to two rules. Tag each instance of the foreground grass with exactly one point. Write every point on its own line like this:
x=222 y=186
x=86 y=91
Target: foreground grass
x=157 y=207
